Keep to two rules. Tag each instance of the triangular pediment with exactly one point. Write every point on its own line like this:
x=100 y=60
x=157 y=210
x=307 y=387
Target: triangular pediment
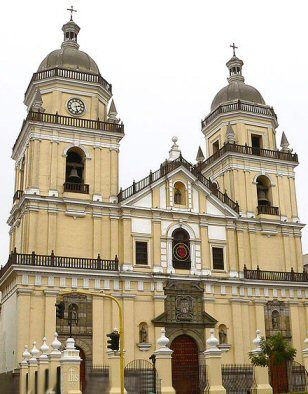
x=214 y=205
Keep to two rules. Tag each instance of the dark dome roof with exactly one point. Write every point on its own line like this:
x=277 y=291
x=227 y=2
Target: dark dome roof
x=71 y=58
x=237 y=90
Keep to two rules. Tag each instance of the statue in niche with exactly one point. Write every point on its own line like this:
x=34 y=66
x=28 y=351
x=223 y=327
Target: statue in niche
x=222 y=335
x=73 y=314
x=143 y=333
x=276 y=320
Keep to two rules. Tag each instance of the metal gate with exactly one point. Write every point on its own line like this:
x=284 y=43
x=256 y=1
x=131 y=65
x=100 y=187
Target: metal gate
x=140 y=377
x=297 y=376
x=238 y=379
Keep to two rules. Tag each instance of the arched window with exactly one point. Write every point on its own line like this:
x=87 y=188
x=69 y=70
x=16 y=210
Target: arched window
x=181 y=249
x=143 y=333
x=222 y=332
x=179 y=196
x=75 y=166
x=73 y=314
x=275 y=320
x=263 y=190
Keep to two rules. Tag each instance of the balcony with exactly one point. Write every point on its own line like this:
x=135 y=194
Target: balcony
x=275 y=275
x=52 y=261
x=76 y=187
x=43 y=117
x=242 y=106
x=17 y=195
x=70 y=74
x=268 y=210
x=249 y=150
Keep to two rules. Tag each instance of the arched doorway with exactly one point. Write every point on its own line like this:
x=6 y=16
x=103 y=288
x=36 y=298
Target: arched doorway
x=185 y=365
x=82 y=369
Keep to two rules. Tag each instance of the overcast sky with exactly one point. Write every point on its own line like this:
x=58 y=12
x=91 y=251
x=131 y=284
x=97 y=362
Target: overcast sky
x=166 y=61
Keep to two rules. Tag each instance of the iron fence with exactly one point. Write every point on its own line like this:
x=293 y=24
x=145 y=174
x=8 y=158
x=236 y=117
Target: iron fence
x=140 y=377
x=238 y=379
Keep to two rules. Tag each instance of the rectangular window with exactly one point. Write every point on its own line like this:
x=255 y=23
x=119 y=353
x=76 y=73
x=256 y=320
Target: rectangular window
x=218 y=258
x=141 y=252
x=215 y=146
x=256 y=141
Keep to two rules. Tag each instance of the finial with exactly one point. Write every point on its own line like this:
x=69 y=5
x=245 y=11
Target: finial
x=284 y=144
x=234 y=47
x=37 y=104
x=26 y=354
x=71 y=10
x=200 y=155
x=44 y=349
x=162 y=341
x=34 y=352
x=56 y=344
x=257 y=342
x=174 y=152
x=112 y=113
x=212 y=341
x=230 y=134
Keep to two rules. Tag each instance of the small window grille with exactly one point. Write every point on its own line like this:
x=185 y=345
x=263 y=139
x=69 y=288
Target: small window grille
x=218 y=258
x=141 y=253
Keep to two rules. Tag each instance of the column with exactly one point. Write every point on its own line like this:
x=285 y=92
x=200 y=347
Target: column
x=23 y=316
x=130 y=327
x=163 y=356
x=70 y=369
x=50 y=313
x=260 y=317
x=205 y=248
x=99 y=335
x=238 y=332
x=127 y=244
x=156 y=248
x=241 y=249
x=114 y=175
x=114 y=237
x=295 y=328
x=233 y=267
x=213 y=365
x=261 y=373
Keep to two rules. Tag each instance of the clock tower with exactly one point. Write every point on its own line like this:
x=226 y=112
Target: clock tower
x=66 y=155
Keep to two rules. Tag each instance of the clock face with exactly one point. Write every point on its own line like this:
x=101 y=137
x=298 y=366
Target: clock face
x=76 y=106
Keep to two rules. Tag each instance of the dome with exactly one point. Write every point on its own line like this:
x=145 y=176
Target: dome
x=237 y=89
x=71 y=58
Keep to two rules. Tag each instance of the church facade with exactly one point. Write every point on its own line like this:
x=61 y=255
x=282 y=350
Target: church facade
x=192 y=246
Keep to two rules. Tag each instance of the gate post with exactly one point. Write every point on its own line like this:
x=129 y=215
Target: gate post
x=32 y=381
x=261 y=373
x=163 y=365
x=24 y=368
x=305 y=353
x=70 y=369
x=54 y=363
x=114 y=372
x=43 y=364
x=213 y=366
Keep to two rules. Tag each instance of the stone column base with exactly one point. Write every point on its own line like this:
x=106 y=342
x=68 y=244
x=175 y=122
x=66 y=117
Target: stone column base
x=216 y=390
x=264 y=389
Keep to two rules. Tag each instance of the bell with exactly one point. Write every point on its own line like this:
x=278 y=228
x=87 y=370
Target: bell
x=262 y=197
x=73 y=176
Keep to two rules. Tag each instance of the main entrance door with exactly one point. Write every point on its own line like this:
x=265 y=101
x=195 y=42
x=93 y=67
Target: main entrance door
x=185 y=365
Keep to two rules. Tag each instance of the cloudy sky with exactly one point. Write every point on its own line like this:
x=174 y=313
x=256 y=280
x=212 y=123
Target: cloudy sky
x=166 y=61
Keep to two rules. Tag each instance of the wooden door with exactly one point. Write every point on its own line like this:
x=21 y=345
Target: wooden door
x=185 y=365
x=279 y=378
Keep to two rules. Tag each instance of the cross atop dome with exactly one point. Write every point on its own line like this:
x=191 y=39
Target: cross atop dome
x=234 y=47
x=71 y=11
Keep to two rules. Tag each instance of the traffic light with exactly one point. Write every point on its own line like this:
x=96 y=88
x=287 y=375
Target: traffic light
x=60 y=307
x=113 y=342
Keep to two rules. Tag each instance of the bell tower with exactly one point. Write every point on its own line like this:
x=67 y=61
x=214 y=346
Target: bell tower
x=66 y=154
x=244 y=161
